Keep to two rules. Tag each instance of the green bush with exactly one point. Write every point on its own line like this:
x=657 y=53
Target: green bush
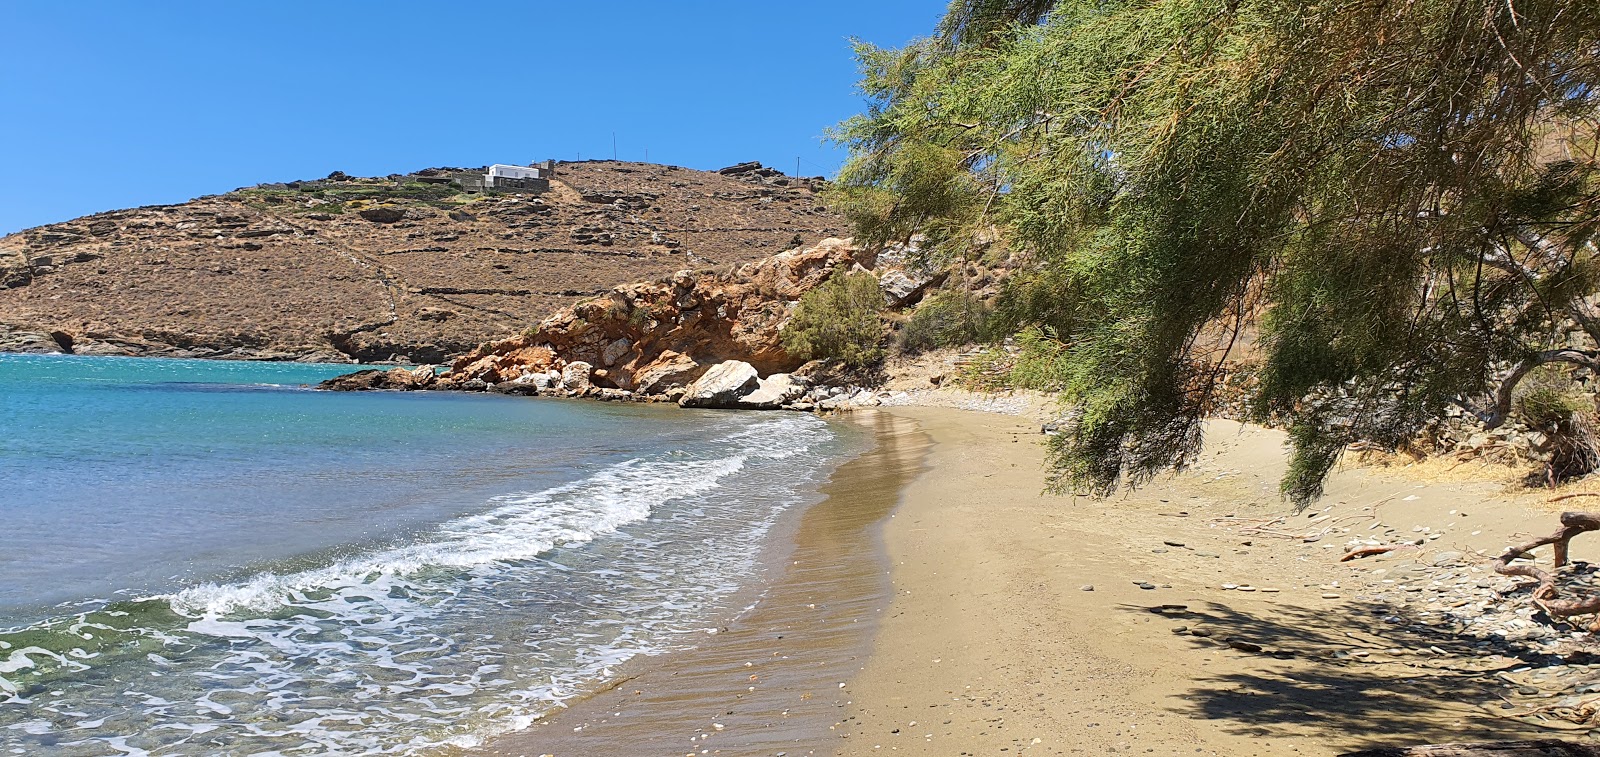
x=946 y=319
x=840 y=320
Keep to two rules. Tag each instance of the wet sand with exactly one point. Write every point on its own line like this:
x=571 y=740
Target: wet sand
x=769 y=681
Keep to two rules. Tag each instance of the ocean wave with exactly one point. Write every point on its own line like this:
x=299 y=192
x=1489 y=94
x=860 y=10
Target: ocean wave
x=520 y=527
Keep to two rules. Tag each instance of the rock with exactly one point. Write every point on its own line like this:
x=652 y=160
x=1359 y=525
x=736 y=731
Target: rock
x=1445 y=558
x=722 y=386
x=1086 y=587
x=539 y=380
x=31 y=342
x=383 y=214
x=615 y=350
x=1146 y=585
x=901 y=288
x=575 y=376
x=394 y=379
x=774 y=391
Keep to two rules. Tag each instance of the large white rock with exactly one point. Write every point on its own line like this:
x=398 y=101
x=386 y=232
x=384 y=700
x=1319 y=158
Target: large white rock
x=670 y=370
x=774 y=391
x=722 y=386
x=901 y=287
x=575 y=376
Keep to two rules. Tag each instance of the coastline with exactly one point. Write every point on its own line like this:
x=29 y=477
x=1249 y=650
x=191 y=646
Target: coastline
x=1015 y=622
x=769 y=680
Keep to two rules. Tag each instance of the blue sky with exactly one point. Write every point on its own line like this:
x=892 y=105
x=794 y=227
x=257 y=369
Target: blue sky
x=113 y=104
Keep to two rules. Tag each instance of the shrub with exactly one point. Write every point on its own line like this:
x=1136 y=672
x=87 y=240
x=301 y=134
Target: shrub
x=840 y=320
x=946 y=319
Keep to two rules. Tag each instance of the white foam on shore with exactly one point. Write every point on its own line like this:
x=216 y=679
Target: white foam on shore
x=522 y=527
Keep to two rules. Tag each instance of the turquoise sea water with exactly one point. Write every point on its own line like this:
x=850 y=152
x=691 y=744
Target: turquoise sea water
x=202 y=557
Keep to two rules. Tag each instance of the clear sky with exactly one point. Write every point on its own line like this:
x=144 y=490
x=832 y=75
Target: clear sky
x=113 y=104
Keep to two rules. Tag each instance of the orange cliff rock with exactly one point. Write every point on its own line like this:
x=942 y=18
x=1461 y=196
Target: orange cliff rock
x=655 y=338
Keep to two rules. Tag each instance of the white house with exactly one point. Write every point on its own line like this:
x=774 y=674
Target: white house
x=503 y=171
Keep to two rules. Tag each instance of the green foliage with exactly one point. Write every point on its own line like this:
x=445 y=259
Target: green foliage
x=1548 y=398
x=839 y=320
x=1401 y=197
x=338 y=193
x=946 y=318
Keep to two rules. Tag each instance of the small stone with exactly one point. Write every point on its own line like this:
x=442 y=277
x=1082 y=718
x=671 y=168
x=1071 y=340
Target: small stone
x=1226 y=587
x=1146 y=585
x=1086 y=587
x=1330 y=595
x=1247 y=588
x=1173 y=543
x=1201 y=632
x=1180 y=629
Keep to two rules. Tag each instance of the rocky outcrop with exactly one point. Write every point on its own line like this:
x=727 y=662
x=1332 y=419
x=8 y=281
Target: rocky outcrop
x=31 y=342
x=662 y=339
x=390 y=269
x=397 y=379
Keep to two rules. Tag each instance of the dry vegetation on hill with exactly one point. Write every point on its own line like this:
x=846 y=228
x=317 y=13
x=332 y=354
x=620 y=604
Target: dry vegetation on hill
x=378 y=269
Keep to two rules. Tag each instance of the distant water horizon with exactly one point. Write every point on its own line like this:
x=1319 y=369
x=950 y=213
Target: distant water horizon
x=208 y=557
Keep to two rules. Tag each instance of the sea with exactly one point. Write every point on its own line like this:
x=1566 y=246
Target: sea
x=211 y=557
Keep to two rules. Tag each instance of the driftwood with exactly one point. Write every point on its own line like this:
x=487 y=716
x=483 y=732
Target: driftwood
x=1367 y=552
x=1546 y=595
x=1540 y=748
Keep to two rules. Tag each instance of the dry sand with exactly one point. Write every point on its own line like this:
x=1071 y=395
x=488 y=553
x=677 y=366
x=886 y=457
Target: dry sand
x=993 y=645
x=993 y=642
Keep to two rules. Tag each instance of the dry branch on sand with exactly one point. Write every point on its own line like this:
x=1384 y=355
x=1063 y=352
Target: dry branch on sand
x=1539 y=748
x=1546 y=595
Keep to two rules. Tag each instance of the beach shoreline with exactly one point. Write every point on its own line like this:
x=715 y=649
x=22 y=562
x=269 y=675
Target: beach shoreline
x=1160 y=621
x=767 y=680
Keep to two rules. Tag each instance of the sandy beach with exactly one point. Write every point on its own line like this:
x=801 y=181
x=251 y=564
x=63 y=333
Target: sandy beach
x=1166 y=621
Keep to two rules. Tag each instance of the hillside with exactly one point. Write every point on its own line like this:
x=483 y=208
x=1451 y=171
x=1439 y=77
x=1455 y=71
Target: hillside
x=395 y=268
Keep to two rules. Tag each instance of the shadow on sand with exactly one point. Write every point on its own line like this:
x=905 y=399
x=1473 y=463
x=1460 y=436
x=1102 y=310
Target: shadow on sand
x=1367 y=671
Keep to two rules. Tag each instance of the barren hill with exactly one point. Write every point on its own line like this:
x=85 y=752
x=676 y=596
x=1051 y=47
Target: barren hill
x=397 y=268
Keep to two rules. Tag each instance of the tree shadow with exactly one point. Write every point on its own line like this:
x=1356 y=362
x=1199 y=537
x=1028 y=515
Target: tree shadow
x=1369 y=673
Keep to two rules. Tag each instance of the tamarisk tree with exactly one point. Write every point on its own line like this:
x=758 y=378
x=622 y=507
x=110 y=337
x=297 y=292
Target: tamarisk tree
x=1396 y=202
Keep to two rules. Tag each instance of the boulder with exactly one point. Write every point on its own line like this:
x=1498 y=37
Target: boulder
x=722 y=386
x=575 y=376
x=671 y=369
x=383 y=214
x=903 y=287
x=774 y=391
